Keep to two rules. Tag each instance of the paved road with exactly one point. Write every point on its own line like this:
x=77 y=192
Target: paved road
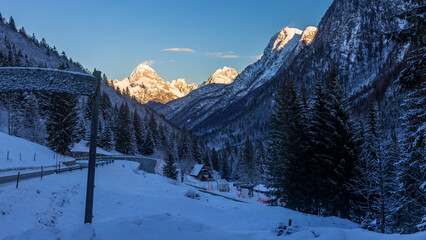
x=147 y=164
x=23 y=176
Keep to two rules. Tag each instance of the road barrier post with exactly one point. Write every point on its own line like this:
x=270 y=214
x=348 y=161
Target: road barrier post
x=41 y=173
x=34 y=157
x=7 y=155
x=17 y=180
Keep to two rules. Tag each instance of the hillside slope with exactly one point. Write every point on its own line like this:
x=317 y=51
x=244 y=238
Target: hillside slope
x=350 y=38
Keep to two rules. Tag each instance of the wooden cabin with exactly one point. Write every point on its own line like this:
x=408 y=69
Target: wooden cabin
x=201 y=172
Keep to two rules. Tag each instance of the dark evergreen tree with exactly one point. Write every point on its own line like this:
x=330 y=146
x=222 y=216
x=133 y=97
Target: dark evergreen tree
x=215 y=160
x=288 y=169
x=343 y=152
x=225 y=173
x=124 y=134
x=169 y=170
x=148 y=146
x=61 y=122
x=152 y=128
x=246 y=168
x=412 y=175
x=137 y=126
x=12 y=23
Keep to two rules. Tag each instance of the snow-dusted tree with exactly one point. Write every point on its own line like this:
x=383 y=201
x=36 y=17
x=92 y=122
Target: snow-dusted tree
x=61 y=121
x=148 y=144
x=246 y=168
x=375 y=176
x=412 y=175
x=343 y=147
x=169 y=169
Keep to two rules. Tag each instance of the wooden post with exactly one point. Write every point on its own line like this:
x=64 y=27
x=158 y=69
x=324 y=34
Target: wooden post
x=92 y=157
x=59 y=167
x=17 y=180
x=41 y=173
x=289 y=222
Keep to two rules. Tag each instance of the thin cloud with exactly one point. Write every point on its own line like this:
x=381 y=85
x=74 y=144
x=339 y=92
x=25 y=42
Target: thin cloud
x=149 y=62
x=230 y=56
x=223 y=54
x=178 y=50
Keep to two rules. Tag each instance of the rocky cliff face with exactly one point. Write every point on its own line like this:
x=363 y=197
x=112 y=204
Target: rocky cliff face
x=210 y=107
x=225 y=75
x=349 y=37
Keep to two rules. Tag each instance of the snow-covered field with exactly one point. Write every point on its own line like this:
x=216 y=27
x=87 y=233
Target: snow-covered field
x=82 y=146
x=132 y=205
x=21 y=153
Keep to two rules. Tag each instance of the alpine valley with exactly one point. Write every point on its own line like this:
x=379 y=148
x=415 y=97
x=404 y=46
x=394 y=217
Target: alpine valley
x=321 y=137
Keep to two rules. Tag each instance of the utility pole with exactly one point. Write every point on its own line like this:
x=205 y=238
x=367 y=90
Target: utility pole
x=92 y=156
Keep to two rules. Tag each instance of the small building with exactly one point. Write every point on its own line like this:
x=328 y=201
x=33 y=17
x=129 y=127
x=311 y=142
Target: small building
x=201 y=172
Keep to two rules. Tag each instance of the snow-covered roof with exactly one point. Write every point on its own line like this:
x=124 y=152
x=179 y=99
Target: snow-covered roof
x=261 y=188
x=196 y=170
x=14 y=79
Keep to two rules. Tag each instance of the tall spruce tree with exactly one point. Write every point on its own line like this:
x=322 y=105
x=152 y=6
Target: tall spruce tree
x=124 y=134
x=246 y=168
x=169 y=169
x=148 y=144
x=61 y=121
x=288 y=167
x=343 y=152
x=137 y=126
x=215 y=160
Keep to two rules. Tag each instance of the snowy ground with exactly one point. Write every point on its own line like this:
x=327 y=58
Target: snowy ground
x=132 y=205
x=21 y=154
x=83 y=147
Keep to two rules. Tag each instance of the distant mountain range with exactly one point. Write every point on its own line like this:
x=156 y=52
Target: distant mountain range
x=145 y=85
x=350 y=37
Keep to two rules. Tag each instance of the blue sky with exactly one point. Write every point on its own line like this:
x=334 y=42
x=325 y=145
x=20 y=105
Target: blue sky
x=115 y=36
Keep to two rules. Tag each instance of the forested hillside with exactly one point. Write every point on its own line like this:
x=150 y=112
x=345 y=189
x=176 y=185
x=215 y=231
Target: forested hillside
x=61 y=120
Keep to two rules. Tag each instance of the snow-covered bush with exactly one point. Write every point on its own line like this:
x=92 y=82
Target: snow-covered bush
x=192 y=194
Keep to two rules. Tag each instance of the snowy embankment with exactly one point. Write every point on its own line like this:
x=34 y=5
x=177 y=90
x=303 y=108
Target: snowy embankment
x=132 y=205
x=82 y=146
x=24 y=154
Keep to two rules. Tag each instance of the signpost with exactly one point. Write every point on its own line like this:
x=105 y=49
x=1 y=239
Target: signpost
x=15 y=79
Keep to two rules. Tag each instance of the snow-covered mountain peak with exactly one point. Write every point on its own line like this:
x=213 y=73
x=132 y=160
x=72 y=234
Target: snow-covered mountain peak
x=282 y=37
x=309 y=34
x=225 y=75
x=143 y=71
x=145 y=85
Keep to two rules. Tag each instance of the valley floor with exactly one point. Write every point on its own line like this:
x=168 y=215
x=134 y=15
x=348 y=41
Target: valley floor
x=130 y=204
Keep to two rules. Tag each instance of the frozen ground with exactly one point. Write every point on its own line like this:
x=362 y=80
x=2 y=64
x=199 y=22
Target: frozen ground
x=132 y=205
x=83 y=147
x=21 y=154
